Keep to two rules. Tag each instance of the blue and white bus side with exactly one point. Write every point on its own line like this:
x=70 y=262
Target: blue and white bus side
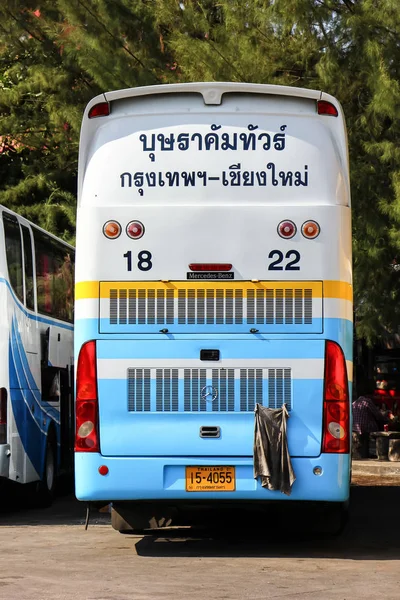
x=36 y=346
x=213 y=273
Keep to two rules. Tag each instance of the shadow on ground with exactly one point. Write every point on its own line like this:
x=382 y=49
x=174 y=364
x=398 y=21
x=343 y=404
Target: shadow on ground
x=372 y=532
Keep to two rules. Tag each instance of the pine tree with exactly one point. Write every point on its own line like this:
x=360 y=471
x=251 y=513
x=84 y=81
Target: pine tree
x=54 y=59
x=56 y=55
x=348 y=48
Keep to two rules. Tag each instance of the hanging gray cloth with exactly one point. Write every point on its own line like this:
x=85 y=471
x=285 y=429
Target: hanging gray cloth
x=271 y=455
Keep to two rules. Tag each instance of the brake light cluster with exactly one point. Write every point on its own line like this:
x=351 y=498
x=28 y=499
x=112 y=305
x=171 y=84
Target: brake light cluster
x=112 y=230
x=310 y=229
x=336 y=427
x=86 y=407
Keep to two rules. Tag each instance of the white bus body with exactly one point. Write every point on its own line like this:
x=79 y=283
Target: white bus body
x=36 y=346
x=213 y=273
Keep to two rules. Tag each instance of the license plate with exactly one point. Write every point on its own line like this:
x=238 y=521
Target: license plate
x=210 y=479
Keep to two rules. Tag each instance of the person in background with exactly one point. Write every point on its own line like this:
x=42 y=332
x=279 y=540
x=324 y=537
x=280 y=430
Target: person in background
x=366 y=418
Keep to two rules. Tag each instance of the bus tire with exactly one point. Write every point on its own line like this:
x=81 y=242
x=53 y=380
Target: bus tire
x=46 y=487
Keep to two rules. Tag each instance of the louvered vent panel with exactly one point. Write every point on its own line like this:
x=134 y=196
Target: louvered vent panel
x=279 y=306
x=166 y=390
x=279 y=388
x=211 y=307
x=139 y=390
x=223 y=381
x=229 y=390
x=194 y=381
x=141 y=307
x=251 y=388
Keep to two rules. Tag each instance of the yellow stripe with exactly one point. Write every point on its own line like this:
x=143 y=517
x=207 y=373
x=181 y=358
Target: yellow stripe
x=338 y=289
x=332 y=289
x=86 y=289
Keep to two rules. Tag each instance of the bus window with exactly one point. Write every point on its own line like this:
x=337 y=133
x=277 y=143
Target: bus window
x=36 y=412
x=54 y=277
x=14 y=254
x=29 y=295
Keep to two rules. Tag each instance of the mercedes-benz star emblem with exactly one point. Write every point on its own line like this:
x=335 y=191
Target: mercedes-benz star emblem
x=209 y=393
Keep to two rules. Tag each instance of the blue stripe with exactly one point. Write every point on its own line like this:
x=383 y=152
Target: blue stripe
x=339 y=330
x=32 y=416
x=26 y=378
x=34 y=317
x=27 y=426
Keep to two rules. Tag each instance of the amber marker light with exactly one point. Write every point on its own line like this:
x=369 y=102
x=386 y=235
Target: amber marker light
x=310 y=229
x=112 y=230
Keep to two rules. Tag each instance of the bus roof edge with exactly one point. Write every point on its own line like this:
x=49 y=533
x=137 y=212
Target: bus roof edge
x=212 y=91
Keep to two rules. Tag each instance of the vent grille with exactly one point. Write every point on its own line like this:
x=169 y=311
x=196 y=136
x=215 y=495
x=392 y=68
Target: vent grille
x=141 y=307
x=207 y=390
x=139 y=390
x=265 y=306
x=166 y=390
x=194 y=381
x=279 y=306
x=251 y=388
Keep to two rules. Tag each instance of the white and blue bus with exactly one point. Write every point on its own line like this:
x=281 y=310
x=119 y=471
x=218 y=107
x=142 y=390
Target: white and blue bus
x=36 y=346
x=213 y=273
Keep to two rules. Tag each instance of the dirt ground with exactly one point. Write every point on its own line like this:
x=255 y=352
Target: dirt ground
x=48 y=555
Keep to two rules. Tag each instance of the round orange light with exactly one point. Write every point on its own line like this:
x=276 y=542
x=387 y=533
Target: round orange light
x=310 y=229
x=112 y=230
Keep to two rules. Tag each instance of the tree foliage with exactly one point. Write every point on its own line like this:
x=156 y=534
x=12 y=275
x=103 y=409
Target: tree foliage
x=56 y=55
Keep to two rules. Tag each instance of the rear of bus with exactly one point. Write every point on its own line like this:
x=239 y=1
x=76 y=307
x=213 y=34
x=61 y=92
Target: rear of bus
x=213 y=273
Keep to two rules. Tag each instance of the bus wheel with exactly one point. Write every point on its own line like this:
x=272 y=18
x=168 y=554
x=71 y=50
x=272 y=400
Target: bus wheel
x=45 y=488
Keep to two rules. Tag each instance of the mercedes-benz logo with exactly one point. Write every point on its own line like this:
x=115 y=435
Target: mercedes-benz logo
x=209 y=393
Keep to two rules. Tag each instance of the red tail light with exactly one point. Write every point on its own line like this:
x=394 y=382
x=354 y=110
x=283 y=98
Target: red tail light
x=3 y=416
x=86 y=407
x=99 y=110
x=327 y=108
x=336 y=432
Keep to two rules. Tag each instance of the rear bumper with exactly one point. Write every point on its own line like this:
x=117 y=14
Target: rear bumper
x=156 y=478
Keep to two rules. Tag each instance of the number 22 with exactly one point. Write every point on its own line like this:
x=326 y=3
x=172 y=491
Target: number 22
x=278 y=255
